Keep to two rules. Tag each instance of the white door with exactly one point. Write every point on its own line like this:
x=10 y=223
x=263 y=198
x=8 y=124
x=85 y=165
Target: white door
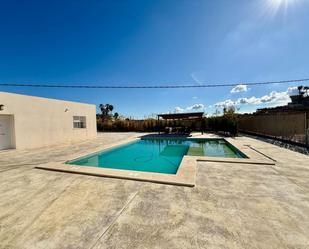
x=5 y=132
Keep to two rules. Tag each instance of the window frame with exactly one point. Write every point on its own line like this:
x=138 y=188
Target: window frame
x=79 y=122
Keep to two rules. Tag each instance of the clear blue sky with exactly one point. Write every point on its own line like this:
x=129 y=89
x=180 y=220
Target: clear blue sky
x=156 y=42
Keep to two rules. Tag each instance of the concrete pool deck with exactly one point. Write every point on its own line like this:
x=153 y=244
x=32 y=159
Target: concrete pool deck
x=233 y=205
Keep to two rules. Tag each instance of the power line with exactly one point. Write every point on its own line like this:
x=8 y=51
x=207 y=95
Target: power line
x=153 y=86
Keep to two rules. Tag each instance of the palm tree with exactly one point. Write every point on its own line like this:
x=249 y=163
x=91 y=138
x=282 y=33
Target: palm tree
x=105 y=109
x=110 y=107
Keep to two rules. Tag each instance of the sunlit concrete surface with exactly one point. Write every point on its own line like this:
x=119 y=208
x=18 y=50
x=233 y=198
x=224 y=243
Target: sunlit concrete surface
x=232 y=205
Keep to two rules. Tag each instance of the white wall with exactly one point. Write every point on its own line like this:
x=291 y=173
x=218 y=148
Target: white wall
x=41 y=121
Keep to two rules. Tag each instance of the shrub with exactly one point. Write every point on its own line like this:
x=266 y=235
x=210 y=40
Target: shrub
x=225 y=123
x=147 y=125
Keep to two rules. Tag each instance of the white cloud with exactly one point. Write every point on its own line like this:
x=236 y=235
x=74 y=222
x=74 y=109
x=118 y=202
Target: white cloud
x=276 y=98
x=178 y=109
x=239 y=88
x=196 y=107
x=272 y=99
x=193 y=108
x=293 y=90
x=225 y=103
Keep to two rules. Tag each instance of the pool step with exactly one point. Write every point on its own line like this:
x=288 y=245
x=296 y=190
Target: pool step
x=195 y=151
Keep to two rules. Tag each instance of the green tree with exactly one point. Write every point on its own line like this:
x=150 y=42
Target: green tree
x=106 y=109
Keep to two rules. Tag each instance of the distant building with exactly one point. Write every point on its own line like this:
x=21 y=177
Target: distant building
x=301 y=100
x=300 y=103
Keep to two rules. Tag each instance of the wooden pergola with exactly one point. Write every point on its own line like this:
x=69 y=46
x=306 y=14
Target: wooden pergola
x=198 y=116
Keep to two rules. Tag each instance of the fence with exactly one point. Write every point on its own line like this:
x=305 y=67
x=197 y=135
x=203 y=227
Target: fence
x=148 y=125
x=291 y=127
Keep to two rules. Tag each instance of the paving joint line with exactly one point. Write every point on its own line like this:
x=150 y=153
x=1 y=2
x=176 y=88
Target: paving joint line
x=115 y=218
x=274 y=168
x=270 y=158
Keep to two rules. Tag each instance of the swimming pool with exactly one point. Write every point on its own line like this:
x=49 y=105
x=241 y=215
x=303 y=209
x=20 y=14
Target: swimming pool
x=158 y=155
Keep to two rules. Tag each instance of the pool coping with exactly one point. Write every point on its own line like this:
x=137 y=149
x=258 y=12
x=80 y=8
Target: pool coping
x=185 y=176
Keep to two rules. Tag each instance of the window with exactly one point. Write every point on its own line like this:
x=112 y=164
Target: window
x=79 y=121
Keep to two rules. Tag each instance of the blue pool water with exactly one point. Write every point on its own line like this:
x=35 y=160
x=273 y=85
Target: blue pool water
x=158 y=155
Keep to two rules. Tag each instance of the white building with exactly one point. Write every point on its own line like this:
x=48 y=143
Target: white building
x=29 y=122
